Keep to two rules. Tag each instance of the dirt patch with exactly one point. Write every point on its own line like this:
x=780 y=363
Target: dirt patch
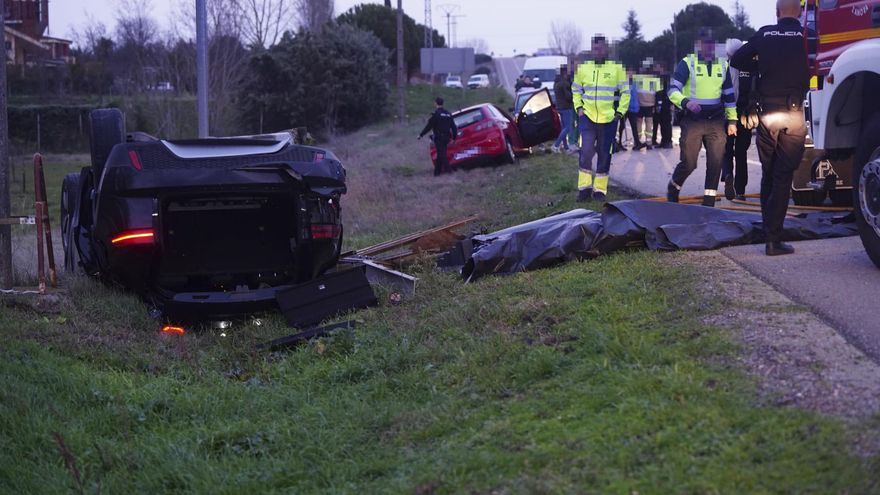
x=798 y=359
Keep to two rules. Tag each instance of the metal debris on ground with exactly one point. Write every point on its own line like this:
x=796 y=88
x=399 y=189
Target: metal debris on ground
x=312 y=302
x=299 y=338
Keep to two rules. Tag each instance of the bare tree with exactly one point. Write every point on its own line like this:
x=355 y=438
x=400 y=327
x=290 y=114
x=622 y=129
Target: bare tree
x=90 y=35
x=227 y=58
x=566 y=37
x=264 y=21
x=478 y=44
x=313 y=14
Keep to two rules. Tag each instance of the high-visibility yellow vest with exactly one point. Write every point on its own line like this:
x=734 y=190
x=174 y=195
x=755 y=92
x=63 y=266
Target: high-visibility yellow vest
x=647 y=84
x=593 y=90
x=702 y=87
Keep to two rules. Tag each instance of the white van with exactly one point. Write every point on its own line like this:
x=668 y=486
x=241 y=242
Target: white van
x=544 y=68
x=478 y=81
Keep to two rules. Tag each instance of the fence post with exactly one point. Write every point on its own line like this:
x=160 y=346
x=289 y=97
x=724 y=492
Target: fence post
x=39 y=147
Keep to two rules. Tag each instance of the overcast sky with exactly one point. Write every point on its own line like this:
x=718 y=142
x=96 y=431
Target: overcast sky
x=506 y=25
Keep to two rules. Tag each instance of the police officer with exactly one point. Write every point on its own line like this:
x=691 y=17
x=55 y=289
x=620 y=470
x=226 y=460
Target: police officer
x=782 y=86
x=701 y=86
x=736 y=178
x=593 y=94
x=443 y=126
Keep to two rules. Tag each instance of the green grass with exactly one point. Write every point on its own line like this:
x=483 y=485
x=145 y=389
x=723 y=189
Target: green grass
x=594 y=377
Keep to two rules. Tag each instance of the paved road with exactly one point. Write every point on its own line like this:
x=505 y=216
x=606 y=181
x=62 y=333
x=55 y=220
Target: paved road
x=834 y=278
x=648 y=172
x=508 y=69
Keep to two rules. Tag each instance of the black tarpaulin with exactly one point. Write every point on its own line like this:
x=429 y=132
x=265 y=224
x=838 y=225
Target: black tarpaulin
x=581 y=234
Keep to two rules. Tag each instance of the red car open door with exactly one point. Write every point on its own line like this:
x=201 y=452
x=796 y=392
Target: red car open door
x=538 y=120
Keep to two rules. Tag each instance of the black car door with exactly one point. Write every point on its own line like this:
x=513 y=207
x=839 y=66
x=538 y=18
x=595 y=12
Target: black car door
x=538 y=121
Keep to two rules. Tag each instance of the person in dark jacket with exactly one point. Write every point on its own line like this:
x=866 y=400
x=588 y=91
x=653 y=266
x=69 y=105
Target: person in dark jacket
x=781 y=51
x=442 y=125
x=565 y=106
x=737 y=178
x=663 y=116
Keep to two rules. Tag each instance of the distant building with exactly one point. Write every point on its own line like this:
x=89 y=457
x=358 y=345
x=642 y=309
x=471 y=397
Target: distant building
x=25 y=23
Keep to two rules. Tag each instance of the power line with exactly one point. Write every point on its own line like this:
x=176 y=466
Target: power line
x=449 y=9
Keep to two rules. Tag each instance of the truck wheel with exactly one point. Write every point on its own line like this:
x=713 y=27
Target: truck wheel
x=106 y=130
x=808 y=198
x=866 y=188
x=70 y=191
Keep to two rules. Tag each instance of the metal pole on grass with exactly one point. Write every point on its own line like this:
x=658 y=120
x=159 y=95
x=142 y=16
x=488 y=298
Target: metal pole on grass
x=5 y=202
x=401 y=68
x=202 y=66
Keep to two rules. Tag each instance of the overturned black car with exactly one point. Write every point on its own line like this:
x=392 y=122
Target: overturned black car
x=207 y=228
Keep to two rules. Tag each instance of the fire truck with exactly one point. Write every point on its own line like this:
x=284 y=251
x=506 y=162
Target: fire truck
x=844 y=110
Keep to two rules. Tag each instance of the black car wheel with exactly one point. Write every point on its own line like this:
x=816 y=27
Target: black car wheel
x=866 y=190
x=106 y=130
x=70 y=192
x=509 y=155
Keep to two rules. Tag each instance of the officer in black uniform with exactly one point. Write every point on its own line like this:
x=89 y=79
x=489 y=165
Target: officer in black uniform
x=443 y=126
x=735 y=170
x=783 y=85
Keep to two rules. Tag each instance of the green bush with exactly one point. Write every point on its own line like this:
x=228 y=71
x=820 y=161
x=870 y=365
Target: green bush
x=326 y=80
x=59 y=128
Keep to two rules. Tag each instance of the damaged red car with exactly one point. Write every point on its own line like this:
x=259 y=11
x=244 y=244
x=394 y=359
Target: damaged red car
x=486 y=132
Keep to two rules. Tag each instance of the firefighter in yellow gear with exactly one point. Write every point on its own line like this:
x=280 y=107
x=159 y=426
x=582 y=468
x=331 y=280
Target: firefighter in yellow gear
x=593 y=93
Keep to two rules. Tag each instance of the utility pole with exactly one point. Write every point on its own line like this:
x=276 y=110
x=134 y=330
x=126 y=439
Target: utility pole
x=5 y=203
x=429 y=36
x=448 y=11
x=401 y=67
x=202 y=66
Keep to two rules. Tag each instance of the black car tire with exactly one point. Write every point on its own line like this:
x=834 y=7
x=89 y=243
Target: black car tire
x=70 y=192
x=866 y=187
x=106 y=130
x=509 y=153
x=808 y=198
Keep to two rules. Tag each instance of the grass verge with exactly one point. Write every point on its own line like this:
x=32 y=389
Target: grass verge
x=593 y=377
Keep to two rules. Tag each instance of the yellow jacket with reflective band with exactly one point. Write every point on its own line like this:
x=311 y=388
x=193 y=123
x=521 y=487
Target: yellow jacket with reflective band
x=593 y=90
x=647 y=87
x=708 y=90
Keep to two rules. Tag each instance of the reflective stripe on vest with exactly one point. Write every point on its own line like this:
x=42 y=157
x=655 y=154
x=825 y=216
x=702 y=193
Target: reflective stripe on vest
x=705 y=88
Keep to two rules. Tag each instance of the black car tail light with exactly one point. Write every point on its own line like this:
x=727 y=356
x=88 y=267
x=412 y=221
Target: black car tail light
x=325 y=231
x=135 y=160
x=140 y=237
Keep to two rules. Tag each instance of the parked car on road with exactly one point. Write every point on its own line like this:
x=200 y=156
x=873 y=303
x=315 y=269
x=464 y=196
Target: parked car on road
x=478 y=81
x=202 y=228
x=486 y=132
x=453 y=82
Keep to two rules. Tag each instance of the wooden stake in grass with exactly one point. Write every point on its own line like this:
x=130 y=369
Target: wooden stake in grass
x=69 y=462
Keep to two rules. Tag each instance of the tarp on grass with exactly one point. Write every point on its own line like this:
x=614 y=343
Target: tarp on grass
x=584 y=234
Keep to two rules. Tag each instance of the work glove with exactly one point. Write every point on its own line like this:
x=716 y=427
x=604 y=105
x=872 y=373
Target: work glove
x=618 y=116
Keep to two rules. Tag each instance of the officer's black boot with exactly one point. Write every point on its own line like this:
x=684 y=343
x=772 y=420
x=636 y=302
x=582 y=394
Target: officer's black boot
x=672 y=193
x=778 y=248
x=729 y=189
x=585 y=195
x=709 y=201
